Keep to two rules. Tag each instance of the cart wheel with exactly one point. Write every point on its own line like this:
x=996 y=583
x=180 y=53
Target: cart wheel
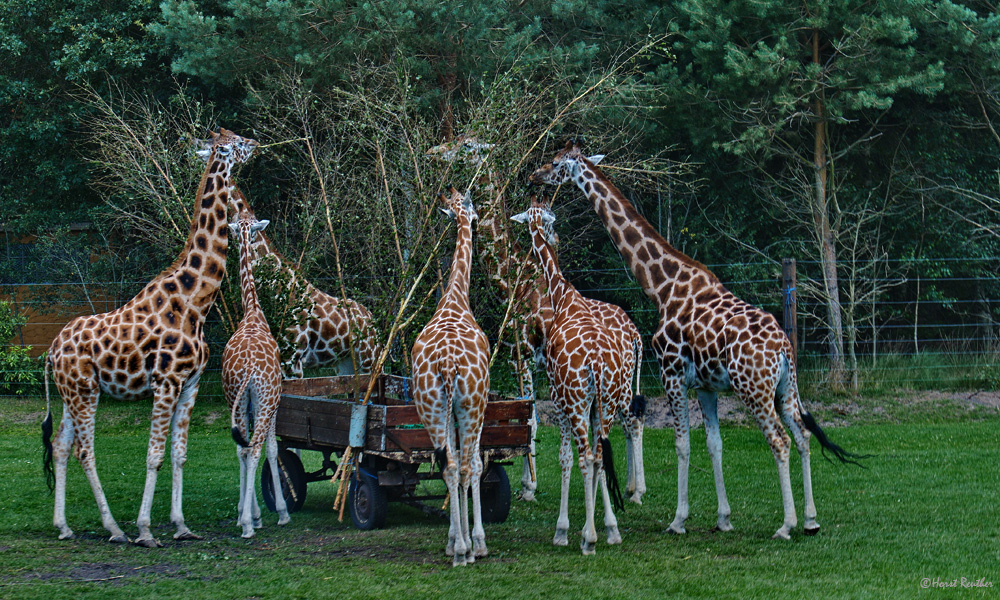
x=367 y=501
x=293 y=481
x=494 y=494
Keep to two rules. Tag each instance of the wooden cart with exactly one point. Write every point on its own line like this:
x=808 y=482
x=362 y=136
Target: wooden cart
x=317 y=414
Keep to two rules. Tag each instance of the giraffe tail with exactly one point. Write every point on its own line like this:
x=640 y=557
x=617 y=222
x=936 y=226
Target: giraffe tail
x=789 y=385
x=50 y=476
x=447 y=375
x=237 y=434
x=599 y=385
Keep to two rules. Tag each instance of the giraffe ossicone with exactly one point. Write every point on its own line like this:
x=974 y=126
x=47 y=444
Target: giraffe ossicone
x=451 y=381
x=708 y=340
x=251 y=381
x=153 y=345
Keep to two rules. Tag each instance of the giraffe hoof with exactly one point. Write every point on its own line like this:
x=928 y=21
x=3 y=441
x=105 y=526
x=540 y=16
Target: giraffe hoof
x=561 y=538
x=528 y=496
x=67 y=535
x=723 y=525
x=119 y=539
x=149 y=542
x=675 y=530
x=781 y=534
x=614 y=536
x=811 y=530
x=187 y=535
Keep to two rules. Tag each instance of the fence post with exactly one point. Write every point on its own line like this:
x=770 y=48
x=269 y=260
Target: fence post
x=789 y=304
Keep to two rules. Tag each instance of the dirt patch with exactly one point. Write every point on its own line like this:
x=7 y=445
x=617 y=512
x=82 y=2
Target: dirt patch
x=845 y=412
x=30 y=418
x=112 y=574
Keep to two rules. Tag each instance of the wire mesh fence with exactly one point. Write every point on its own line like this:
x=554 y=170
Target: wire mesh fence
x=921 y=324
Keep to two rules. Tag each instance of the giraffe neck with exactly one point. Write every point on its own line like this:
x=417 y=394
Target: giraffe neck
x=655 y=263
x=457 y=291
x=201 y=265
x=248 y=288
x=561 y=294
x=263 y=248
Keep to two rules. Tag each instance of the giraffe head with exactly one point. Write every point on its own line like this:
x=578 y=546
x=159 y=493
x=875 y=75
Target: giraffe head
x=539 y=215
x=457 y=205
x=465 y=148
x=227 y=146
x=246 y=226
x=564 y=167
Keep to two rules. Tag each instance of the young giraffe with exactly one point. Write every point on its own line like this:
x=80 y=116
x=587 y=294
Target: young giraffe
x=451 y=379
x=251 y=380
x=510 y=266
x=586 y=377
x=324 y=335
x=708 y=340
x=153 y=345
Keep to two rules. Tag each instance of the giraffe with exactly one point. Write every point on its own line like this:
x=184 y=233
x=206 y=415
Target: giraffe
x=332 y=325
x=451 y=379
x=510 y=267
x=251 y=380
x=153 y=345
x=708 y=340
x=586 y=377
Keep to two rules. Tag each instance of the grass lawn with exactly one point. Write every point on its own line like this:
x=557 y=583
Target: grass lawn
x=924 y=510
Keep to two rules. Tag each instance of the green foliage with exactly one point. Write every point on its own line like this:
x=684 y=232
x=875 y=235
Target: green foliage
x=19 y=373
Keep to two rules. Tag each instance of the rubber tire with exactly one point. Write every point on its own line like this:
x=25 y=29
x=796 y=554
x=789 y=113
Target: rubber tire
x=293 y=477
x=495 y=496
x=367 y=502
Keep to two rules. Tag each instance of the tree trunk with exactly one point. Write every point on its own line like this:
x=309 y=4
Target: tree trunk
x=826 y=238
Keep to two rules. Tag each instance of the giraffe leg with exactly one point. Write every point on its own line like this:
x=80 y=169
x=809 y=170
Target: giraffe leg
x=84 y=430
x=588 y=539
x=178 y=455
x=478 y=532
x=241 y=457
x=790 y=416
x=528 y=483
x=164 y=400
x=636 y=486
x=566 y=465
x=682 y=444
x=710 y=409
x=249 y=492
x=528 y=480
x=456 y=539
x=776 y=437
x=62 y=446
x=610 y=522
x=272 y=458
x=464 y=483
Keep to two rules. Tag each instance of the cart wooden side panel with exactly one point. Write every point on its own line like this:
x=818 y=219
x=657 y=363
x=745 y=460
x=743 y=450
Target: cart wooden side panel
x=316 y=422
x=309 y=418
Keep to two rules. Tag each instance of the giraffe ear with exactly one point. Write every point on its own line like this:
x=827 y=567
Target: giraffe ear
x=548 y=217
x=234 y=228
x=595 y=158
x=520 y=218
x=260 y=225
